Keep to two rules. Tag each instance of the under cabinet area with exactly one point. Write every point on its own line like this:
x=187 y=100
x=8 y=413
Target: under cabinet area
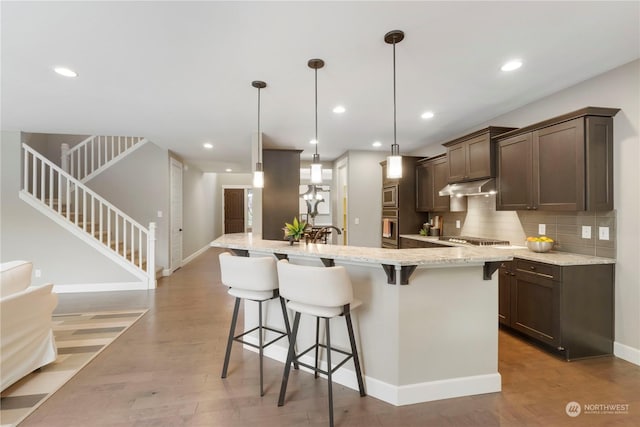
x=431 y=177
x=569 y=309
x=562 y=164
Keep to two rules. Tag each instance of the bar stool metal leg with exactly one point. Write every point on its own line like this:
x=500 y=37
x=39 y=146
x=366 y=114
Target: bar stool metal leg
x=287 y=326
x=329 y=370
x=354 y=351
x=290 y=357
x=315 y=372
x=260 y=344
x=232 y=329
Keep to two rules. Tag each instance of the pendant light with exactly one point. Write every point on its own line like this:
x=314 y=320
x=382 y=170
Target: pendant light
x=394 y=161
x=258 y=174
x=316 y=166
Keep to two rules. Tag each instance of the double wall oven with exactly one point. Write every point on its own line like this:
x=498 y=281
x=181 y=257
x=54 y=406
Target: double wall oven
x=390 y=235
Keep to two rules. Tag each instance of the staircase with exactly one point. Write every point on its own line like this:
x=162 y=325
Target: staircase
x=69 y=202
x=97 y=153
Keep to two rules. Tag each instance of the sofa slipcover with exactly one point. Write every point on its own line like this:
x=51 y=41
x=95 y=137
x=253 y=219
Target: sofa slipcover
x=26 y=337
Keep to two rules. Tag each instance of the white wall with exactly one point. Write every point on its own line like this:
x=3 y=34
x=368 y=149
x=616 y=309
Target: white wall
x=27 y=234
x=198 y=213
x=617 y=88
x=139 y=186
x=364 y=202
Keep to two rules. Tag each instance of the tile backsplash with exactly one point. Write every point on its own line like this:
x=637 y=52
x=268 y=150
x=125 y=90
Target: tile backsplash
x=482 y=220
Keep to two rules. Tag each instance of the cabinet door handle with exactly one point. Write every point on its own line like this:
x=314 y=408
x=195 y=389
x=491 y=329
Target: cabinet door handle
x=528 y=208
x=532 y=268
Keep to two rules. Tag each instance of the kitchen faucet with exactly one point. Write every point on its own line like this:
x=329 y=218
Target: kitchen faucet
x=322 y=231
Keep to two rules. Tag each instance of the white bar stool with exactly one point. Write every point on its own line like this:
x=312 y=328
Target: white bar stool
x=323 y=292
x=254 y=279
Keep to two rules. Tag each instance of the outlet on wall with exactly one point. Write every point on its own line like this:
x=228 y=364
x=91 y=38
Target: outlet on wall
x=586 y=231
x=457 y=223
x=542 y=229
x=37 y=273
x=603 y=233
x=357 y=221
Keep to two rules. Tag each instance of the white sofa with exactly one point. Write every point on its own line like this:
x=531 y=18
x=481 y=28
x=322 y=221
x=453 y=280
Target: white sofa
x=26 y=336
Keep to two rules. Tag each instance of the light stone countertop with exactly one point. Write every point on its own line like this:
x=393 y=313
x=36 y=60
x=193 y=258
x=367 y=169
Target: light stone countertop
x=455 y=255
x=551 y=257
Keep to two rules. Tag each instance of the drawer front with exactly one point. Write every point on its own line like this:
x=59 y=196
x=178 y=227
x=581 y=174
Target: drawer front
x=548 y=270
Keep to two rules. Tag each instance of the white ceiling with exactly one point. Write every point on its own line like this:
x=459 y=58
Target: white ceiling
x=180 y=73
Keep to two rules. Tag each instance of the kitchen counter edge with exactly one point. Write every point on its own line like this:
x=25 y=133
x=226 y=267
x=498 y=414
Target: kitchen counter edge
x=552 y=257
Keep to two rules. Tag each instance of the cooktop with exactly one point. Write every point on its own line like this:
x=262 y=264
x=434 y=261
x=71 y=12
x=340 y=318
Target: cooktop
x=476 y=241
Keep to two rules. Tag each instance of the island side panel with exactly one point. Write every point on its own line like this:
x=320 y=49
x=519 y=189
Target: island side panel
x=448 y=334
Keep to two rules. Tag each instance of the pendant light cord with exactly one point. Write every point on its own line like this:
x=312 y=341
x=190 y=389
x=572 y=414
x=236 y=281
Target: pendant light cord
x=394 y=94
x=316 y=80
x=259 y=137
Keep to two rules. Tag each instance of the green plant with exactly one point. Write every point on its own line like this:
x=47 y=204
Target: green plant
x=295 y=230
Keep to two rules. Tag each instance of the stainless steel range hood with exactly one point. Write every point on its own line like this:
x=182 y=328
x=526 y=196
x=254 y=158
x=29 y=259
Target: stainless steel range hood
x=473 y=188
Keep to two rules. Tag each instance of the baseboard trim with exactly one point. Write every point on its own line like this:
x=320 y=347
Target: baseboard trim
x=194 y=255
x=398 y=395
x=100 y=287
x=168 y=272
x=625 y=352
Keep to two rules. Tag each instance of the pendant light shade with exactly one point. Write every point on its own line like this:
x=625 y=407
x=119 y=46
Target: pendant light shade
x=258 y=174
x=394 y=161
x=316 y=166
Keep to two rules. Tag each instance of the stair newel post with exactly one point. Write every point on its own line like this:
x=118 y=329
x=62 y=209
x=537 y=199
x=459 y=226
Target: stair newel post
x=151 y=255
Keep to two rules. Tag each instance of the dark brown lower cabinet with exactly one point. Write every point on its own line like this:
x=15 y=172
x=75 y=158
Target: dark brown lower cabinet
x=406 y=243
x=505 y=278
x=567 y=308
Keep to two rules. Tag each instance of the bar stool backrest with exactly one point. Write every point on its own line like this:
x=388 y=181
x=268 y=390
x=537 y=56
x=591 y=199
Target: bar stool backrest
x=255 y=274
x=321 y=286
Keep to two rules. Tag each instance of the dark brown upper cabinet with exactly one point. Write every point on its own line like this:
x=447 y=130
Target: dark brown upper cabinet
x=561 y=164
x=472 y=156
x=431 y=177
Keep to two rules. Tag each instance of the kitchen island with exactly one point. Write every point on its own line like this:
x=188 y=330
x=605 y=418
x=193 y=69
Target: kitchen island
x=436 y=337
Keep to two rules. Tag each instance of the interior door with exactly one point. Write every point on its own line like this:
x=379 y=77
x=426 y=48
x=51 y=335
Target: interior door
x=234 y=210
x=176 y=214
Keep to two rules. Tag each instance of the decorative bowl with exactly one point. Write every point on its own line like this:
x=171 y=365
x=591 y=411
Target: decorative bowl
x=539 y=246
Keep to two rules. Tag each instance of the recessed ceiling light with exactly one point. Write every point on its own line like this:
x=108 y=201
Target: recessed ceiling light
x=207 y=145
x=339 y=109
x=65 y=72
x=427 y=115
x=228 y=170
x=377 y=144
x=512 y=65
x=313 y=141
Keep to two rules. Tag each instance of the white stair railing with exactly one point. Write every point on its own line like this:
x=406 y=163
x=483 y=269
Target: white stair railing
x=52 y=187
x=91 y=156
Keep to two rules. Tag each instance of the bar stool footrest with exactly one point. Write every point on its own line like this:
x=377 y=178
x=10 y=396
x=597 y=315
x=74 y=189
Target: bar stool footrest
x=321 y=371
x=238 y=338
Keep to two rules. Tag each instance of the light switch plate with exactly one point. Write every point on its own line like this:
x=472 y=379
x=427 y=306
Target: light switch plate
x=586 y=231
x=37 y=272
x=603 y=233
x=542 y=229
x=159 y=214
x=357 y=221
x=457 y=223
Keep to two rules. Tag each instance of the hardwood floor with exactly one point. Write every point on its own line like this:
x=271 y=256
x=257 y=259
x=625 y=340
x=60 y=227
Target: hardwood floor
x=165 y=371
